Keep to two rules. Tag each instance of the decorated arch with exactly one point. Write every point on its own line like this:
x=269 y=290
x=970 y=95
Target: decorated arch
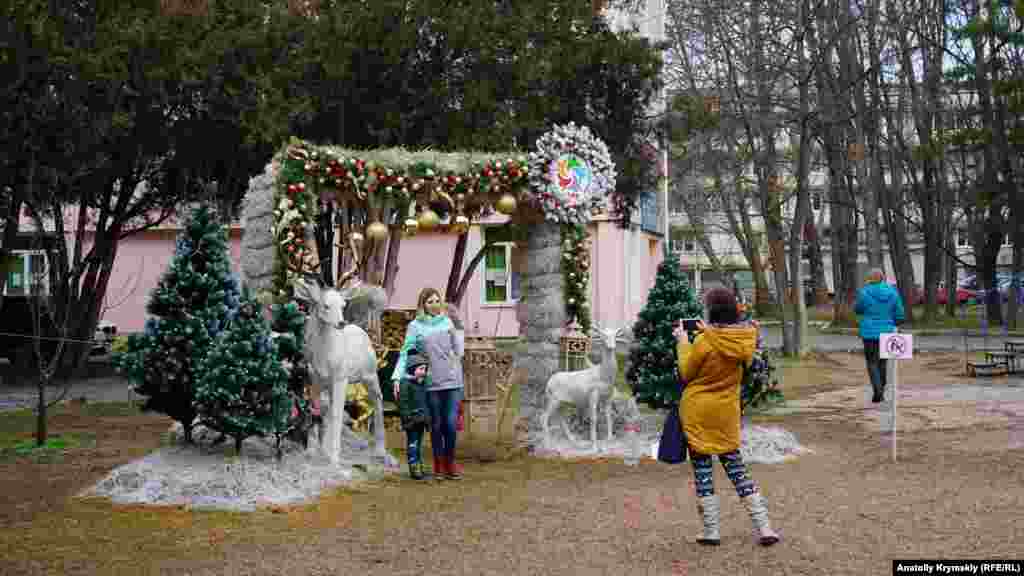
x=372 y=198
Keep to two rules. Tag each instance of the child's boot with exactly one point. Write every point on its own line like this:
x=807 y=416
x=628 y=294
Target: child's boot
x=708 y=506
x=759 y=516
x=415 y=465
x=424 y=473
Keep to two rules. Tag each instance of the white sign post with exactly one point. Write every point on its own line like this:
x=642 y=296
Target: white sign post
x=894 y=346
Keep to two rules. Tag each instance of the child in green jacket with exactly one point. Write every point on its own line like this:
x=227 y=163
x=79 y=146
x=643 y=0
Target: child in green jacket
x=412 y=408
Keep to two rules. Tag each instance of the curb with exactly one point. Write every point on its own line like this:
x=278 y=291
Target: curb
x=932 y=332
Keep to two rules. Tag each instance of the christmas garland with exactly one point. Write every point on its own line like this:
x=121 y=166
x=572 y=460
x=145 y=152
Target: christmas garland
x=384 y=188
x=576 y=272
x=571 y=171
x=566 y=179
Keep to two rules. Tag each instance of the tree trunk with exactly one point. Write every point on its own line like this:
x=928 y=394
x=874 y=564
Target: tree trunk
x=950 y=270
x=1017 y=285
x=455 y=274
x=817 y=263
x=41 y=429
x=762 y=296
x=323 y=231
x=769 y=185
x=542 y=317
x=391 y=268
x=749 y=240
x=868 y=126
x=803 y=202
x=467 y=275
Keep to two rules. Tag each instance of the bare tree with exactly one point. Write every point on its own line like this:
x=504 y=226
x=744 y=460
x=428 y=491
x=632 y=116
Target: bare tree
x=49 y=334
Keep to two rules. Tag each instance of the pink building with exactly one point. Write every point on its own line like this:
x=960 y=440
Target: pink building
x=624 y=263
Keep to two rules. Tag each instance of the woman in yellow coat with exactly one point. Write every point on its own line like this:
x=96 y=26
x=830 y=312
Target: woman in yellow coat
x=712 y=367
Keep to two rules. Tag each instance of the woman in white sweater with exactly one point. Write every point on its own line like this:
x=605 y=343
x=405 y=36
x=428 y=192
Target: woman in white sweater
x=434 y=334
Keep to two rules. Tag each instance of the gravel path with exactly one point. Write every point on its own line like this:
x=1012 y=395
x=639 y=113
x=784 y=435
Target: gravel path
x=843 y=508
x=107 y=389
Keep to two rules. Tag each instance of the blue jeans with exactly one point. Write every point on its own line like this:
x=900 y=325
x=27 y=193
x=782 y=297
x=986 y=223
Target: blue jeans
x=444 y=414
x=414 y=437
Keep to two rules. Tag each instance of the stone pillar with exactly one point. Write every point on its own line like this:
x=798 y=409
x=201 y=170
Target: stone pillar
x=257 y=239
x=541 y=320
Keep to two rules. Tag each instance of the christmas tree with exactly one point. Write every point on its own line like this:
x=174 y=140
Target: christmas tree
x=190 y=306
x=244 y=391
x=652 y=368
x=288 y=324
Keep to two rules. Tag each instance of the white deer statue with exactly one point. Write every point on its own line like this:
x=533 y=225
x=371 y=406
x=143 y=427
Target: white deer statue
x=337 y=355
x=585 y=388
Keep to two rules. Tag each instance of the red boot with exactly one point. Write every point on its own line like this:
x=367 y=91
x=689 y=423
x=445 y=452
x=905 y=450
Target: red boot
x=452 y=470
x=440 y=470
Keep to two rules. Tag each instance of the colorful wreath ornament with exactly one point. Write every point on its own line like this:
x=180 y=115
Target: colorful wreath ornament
x=571 y=172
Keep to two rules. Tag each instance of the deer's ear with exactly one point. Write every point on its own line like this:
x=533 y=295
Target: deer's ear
x=347 y=294
x=307 y=291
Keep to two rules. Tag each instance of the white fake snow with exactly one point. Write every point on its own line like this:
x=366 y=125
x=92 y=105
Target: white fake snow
x=203 y=477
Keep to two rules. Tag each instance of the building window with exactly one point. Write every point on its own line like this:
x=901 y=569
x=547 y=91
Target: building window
x=26 y=274
x=649 y=212
x=682 y=240
x=501 y=282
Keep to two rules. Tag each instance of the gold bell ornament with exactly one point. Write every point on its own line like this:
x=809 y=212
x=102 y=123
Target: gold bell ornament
x=377 y=231
x=506 y=204
x=429 y=219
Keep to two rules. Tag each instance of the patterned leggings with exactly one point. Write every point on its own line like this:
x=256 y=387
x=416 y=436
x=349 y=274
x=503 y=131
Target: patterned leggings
x=734 y=468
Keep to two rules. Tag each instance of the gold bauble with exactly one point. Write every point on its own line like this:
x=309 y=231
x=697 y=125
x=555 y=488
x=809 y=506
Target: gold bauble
x=461 y=225
x=411 y=226
x=506 y=204
x=377 y=231
x=429 y=219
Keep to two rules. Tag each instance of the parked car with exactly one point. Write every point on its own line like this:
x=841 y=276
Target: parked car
x=104 y=338
x=963 y=295
x=916 y=294
x=1004 y=280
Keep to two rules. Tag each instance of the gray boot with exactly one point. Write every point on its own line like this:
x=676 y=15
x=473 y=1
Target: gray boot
x=759 y=516
x=709 y=509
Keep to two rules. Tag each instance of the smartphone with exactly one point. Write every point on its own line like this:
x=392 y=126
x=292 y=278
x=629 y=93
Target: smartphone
x=690 y=324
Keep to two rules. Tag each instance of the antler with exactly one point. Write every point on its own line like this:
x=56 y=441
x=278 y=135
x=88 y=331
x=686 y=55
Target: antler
x=354 y=244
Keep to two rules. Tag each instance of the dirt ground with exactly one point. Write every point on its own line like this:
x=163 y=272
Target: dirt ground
x=956 y=492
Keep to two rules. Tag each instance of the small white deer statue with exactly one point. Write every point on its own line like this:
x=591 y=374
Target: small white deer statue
x=585 y=388
x=338 y=355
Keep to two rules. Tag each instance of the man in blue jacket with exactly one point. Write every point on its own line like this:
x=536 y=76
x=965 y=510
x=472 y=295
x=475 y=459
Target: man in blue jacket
x=880 y=309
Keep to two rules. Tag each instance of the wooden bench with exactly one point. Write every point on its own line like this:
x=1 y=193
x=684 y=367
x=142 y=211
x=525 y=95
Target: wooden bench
x=1007 y=359
x=976 y=369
